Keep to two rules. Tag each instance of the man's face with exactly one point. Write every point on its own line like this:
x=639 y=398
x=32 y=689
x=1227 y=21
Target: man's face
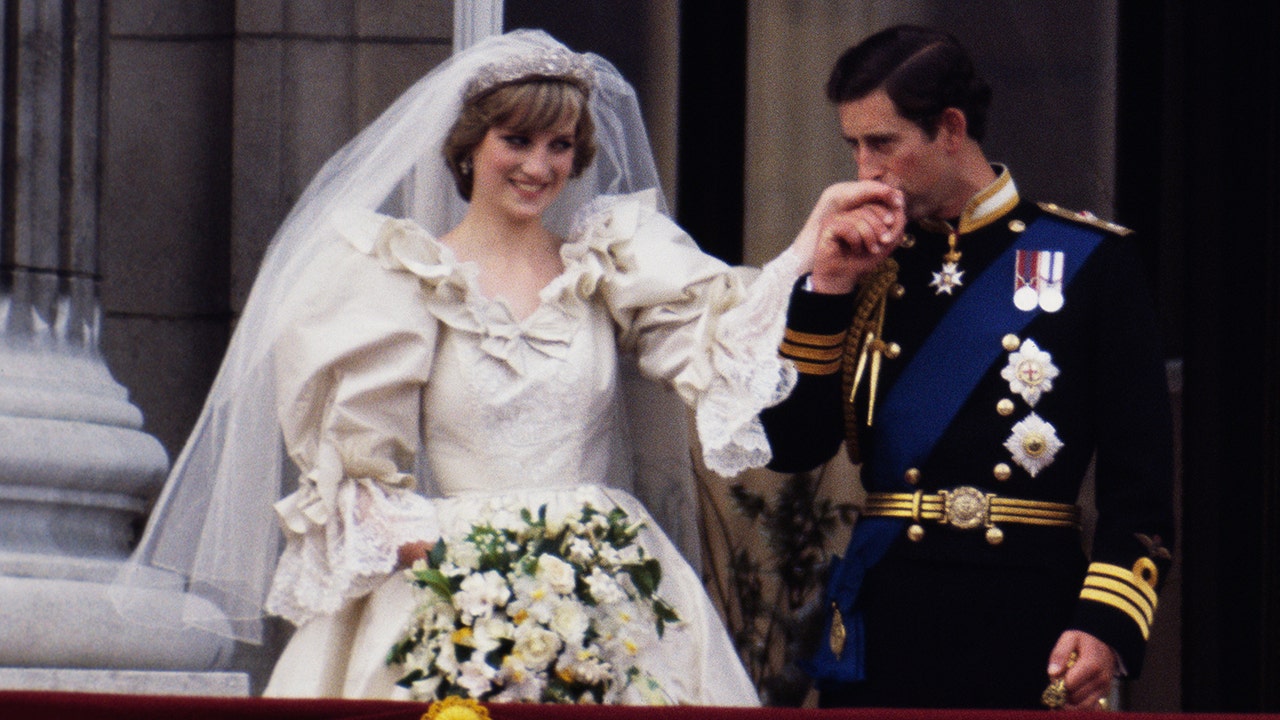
x=895 y=151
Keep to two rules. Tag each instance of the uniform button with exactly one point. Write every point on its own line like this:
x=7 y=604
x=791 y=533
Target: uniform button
x=995 y=536
x=1010 y=342
x=908 y=241
x=1005 y=407
x=912 y=476
x=915 y=533
x=892 y=350
x=1002 y=472
x=1017 y=226
x=898 y=292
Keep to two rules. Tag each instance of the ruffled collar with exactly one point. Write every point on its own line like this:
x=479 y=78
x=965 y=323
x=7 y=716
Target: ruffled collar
x=598 y=246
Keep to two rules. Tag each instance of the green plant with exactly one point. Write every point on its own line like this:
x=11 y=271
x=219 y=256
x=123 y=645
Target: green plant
x=769 y=589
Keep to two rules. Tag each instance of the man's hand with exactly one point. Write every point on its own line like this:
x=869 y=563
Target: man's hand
x=1089 y=678
x=853 y=226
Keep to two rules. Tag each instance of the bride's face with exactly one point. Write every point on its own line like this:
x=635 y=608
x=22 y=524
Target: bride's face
x=520 y=174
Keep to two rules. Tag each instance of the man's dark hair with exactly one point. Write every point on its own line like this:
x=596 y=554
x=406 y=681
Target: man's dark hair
x=923 y=71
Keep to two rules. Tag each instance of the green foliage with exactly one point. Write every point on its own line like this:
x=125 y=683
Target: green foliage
x=799 y=528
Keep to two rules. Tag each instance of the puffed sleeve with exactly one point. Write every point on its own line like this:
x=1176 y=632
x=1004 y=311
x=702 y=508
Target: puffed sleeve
x=709 y=330
x=350 y=364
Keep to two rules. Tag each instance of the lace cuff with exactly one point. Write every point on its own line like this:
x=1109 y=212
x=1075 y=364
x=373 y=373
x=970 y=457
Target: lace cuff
x=749 y=374
x=350 y=552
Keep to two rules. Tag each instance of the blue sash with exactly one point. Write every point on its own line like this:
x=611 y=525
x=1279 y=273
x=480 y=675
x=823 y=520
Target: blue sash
x=921 y=405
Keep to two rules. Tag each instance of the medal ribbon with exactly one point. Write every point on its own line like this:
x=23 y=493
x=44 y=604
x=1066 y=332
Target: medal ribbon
x=1025 y=269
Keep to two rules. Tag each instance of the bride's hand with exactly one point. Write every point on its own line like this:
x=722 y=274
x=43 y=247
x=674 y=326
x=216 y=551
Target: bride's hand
x=411 y=552
x=852 y=227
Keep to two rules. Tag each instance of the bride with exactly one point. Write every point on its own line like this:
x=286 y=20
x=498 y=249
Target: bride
x=446 y=326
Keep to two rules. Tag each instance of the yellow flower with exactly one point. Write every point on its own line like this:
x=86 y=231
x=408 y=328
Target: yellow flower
x=461 y=636
x=456 y=708
x=520 y=616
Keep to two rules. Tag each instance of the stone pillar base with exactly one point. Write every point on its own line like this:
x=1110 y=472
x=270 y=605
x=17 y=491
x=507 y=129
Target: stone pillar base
x=130 y=682
x=61 y=622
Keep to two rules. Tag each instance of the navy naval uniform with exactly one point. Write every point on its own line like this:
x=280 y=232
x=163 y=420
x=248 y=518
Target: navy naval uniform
x=986 y=413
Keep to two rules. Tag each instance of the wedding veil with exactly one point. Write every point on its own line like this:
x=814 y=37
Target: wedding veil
x=213 y=529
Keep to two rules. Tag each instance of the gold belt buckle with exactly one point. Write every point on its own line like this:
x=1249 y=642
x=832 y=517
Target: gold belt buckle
x=966 y=507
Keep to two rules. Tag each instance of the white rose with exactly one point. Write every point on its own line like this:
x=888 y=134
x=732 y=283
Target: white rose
x=536 y=646
x=570 y=621
x=556 y=573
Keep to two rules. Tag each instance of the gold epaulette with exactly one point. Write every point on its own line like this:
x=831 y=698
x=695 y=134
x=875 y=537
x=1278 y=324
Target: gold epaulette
x=1085 y=218
x=868 y=309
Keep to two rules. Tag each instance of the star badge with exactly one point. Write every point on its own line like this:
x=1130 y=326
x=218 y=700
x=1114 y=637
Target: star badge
x=1030 y=372
x=1033 y=444
x=947 y=280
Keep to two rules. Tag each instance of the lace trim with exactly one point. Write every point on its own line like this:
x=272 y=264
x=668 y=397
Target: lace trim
x=750 y=375
x=351 y=553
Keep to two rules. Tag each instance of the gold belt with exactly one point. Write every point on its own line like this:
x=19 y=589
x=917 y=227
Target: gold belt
x=967 y=508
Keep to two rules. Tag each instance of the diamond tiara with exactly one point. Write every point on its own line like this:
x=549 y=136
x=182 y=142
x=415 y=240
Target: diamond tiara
x=547 y=63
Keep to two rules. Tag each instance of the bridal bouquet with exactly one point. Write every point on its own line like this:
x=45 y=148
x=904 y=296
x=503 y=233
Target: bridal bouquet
x=534 y=609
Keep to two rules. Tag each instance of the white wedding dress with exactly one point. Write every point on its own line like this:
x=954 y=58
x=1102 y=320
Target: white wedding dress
x=392 y=347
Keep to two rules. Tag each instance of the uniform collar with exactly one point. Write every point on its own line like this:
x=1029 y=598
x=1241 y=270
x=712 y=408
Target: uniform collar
x=988 y=205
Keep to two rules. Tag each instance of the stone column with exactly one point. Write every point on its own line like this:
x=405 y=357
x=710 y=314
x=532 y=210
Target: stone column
x=474 y=21
x=76 y=471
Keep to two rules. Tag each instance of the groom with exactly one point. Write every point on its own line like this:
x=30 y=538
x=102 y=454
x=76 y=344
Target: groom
x=974 y=365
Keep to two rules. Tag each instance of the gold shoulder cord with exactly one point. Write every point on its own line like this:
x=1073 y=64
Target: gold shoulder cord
x=864 y=346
